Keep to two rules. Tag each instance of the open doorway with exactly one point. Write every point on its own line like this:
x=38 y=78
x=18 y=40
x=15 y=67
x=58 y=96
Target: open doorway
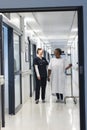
x=79 y=60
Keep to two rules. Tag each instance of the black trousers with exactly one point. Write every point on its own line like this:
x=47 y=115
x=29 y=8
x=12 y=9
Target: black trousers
x=40 y=84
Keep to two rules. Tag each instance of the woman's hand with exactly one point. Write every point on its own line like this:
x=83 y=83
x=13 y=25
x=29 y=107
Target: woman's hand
x=48 y=79
x=39 y=78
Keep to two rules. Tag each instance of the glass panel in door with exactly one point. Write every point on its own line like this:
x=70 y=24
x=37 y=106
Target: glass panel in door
x=17 y=70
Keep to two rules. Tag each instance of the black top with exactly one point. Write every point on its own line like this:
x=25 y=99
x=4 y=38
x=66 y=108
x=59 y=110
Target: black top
x=42 y=66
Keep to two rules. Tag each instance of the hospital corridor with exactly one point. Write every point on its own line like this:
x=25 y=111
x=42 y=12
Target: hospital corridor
x=23 y=35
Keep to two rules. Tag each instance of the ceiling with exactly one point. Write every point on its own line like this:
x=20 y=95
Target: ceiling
x=54 y=29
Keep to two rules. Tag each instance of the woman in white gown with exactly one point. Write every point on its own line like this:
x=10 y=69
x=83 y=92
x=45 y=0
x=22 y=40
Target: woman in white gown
x=56 y=70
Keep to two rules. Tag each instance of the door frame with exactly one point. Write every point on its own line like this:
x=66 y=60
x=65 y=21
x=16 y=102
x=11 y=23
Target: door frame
x=30 y=66
x=79 y=10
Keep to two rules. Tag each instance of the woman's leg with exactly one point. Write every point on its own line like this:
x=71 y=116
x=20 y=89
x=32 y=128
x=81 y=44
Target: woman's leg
x=58 y=96
x=43 y=88
x=37 y=90
x=61 y=96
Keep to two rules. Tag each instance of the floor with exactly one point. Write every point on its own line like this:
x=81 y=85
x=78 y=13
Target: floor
x=45 y=116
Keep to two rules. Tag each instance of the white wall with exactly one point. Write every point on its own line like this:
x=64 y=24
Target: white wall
x=74 y=56
x=25 y=67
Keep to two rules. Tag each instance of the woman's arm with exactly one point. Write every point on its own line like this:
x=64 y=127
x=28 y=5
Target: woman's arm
x=69 y=66
x=49 y=73
x=37 y=72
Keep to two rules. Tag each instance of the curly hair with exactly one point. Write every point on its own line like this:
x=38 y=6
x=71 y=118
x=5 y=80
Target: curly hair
x=58 y=50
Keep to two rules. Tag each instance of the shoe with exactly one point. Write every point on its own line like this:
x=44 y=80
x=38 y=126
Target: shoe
x=61 y=101
x=57 y=100
x=37 y=101
x=43 y=101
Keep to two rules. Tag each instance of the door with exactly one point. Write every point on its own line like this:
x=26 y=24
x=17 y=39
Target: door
x=17 y=70
x=14 y=71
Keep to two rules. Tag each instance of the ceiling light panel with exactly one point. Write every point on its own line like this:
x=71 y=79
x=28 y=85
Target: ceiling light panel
x=52 y=27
